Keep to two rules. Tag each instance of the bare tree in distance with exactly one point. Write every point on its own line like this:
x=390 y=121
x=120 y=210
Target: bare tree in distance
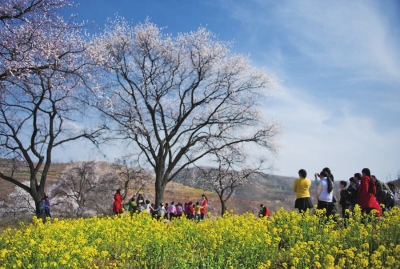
x=134 y=178
x=85 y=188
x=231 y=172
x=43 y=71
x=178 y=99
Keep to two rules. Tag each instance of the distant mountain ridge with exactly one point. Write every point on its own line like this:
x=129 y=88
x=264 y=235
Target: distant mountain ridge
x=271 y=190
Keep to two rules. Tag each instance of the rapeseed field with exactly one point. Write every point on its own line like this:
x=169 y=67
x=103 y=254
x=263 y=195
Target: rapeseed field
x=286 y=240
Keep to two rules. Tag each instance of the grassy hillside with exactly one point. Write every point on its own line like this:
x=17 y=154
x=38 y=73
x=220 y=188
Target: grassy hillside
x=274 y=191
x=22 y=174
x=271 y=190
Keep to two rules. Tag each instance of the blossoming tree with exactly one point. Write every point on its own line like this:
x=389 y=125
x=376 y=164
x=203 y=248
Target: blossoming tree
x=85 y=188
x=42 y=77
x=23 y=26
x=177 y=99
x=134 y=178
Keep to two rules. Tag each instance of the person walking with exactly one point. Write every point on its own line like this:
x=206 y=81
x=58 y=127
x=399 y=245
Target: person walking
x=147 y=207
x=197 y=211
x=171 y=211
x=161 y=211
x=190 y=211
x=140 y=199
x=132 y=206
x=366 y=193
x=117 y=206
x=203 y=203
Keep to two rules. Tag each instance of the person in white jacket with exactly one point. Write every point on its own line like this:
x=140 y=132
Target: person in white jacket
x=161 y=211
x=325 y=193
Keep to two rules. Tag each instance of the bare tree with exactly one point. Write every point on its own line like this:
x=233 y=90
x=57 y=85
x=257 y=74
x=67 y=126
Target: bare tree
x=231 y=173
x=178 y=99
x=85 y=188
x=134 y=177
x=43 y=74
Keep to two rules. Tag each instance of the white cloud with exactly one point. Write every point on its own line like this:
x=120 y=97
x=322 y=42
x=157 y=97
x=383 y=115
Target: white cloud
x=316 y=137
x=341 y=63
x=348 y=35
x=356 y=36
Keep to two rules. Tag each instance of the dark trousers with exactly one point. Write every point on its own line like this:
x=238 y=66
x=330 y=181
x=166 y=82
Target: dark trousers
x=344 y=214
x=326 y=205
x=47 y=210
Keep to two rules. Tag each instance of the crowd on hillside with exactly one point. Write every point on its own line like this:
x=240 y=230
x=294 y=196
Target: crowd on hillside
x=194 y=211
x=363 y=189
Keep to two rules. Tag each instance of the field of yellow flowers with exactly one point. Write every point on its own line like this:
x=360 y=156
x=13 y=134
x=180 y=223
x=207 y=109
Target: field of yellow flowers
x=287 y=240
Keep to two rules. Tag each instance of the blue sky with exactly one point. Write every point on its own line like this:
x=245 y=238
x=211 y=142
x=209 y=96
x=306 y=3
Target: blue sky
x=338 y=65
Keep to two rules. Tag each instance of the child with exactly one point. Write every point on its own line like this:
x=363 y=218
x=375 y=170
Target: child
x=197 y=211
x=190 y=211
x=344 y=198
x=352 y=194
x=131 y=206
x=141 y=207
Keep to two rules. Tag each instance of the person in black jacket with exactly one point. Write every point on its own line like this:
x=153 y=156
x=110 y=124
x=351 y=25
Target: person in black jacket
x=384 y=194
x=344 y=198
x=352 y=194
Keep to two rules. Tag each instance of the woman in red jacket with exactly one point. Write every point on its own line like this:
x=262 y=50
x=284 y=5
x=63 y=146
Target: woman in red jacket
x=366 y=193
x=203 y=203
x=117 y=207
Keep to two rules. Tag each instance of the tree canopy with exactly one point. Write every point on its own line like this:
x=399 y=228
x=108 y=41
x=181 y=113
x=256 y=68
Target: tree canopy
x=178 y=99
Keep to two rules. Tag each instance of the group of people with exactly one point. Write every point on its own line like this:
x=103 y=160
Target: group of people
x=364 y=189
x=44 y=208
x=193 y=211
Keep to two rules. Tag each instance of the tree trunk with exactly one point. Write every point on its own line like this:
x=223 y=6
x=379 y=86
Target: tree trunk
x=37 y=208
x=159 y=188
x=223 y=206
x=37 y=197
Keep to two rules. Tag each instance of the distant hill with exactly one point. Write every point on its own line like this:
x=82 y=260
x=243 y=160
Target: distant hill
x=22 y=174
x=271 y=190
